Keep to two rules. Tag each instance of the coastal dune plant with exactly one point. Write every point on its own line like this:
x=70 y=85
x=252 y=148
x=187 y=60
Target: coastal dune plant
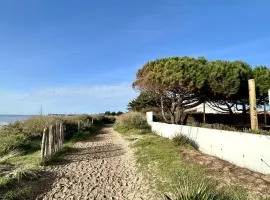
x=23 y=172
x=14 y=142
x=183 y=140
x=132 y=120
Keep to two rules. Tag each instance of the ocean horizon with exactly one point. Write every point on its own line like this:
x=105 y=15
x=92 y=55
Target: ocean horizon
x=9 y=119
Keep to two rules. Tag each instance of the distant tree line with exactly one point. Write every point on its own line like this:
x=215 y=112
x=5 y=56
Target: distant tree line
x=113 y=113
x=175 y=84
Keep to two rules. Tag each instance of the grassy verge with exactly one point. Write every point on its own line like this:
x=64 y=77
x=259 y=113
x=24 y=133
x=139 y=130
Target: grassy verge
x=160 y=161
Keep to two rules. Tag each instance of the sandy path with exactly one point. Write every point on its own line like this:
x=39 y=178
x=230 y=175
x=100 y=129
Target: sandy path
x=101 y=168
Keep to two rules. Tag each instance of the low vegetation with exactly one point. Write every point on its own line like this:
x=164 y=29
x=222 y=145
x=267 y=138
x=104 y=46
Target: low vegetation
x=160 y=161
x=132 y=121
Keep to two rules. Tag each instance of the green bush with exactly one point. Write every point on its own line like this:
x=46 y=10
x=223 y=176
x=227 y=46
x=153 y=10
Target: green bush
x=103 y=119
x=191 y=121
x=191 y=188
x=182 y=140
x=132 y=120
x=18 y=193
x=219 y=127
x=14 y=142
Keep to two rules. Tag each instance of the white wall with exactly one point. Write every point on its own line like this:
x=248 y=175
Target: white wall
x=243 y=149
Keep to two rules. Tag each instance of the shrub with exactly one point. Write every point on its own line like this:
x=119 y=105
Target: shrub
x=192 y=191
x=191 y=121
x=132 y=120
x=18 y=193
x=103 y=119
x=183 y=140
x=24 y=172
x=14 y=142
x=34 y=126
x=204 y=189
x=219 y=127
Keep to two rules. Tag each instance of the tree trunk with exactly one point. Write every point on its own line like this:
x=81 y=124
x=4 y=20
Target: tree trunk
x=162 y=110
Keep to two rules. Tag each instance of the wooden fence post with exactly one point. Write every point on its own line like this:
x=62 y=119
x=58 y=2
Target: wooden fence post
x=43 y=145
x=253 y=106
x=54 y=139
x=79 y=126
x=61 y=135
x=50 y=143
x=46 y=143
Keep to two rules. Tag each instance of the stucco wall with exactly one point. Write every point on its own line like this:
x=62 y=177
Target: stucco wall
x=243 y=149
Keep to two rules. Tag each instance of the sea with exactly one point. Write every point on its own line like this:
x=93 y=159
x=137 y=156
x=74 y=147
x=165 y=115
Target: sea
x=9 y=119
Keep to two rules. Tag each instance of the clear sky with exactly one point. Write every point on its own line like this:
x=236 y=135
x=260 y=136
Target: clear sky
x=82 y=56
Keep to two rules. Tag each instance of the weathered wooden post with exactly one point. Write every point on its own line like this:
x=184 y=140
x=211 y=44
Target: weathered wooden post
x=50 y=146
x=55 y=138
x=43 y=145
x=79 y=126
x=253 y=106
x=60 y=135
x=46 y=143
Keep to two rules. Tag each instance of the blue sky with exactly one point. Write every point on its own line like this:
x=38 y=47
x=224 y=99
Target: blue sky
x=82 y=56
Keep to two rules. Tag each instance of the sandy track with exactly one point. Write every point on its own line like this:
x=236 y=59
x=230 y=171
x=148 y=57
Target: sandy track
x=101 y=168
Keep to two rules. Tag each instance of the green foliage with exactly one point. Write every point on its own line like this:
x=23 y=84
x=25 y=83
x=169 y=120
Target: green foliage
x=14 y=142
x=132 y=120
x=229 y=79
x=12 y=186
x=219 y=127
x=3 y=182
x=24 y=172
x=262 y=79
x=113 y=113
x=178 y=82
x=104 y=119
x=205 y=190
x=144 y=102
x=18 y=193
x=182 y=140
